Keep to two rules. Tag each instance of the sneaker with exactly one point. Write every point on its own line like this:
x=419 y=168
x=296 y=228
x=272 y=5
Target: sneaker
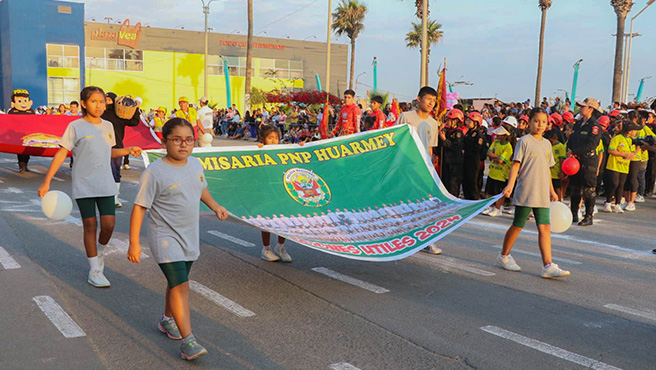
x=190 y=349
x=553 y=271
x=617 y=208
x=630 y=207
x=495 y=212
x=432 y=249
x=268 y=255
x=508 y=210
x=98 y=279
x=623 y=202
x=587 y=221
x=21 y=170
x=126 y=166
x=170 y=328
x=595 y=210
x=639 y=199
x=280 y=251
x=508 y=263
x=487 y=210
x=608 y=207
x=117 y=203
x=580 y=214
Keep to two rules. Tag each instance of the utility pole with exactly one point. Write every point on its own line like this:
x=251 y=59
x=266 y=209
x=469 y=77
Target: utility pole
x=628 y=64
x=330 y=22
x=423 y=79
x=206 y=11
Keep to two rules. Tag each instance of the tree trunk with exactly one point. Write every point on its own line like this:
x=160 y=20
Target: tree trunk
x=352 y=65
x=538 y=82
x=249 y=58
x=619 y=52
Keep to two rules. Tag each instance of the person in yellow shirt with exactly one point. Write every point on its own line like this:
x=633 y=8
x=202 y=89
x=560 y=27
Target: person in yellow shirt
x=500 y=154
x=560 y=154
x=621 y=151
x=637 y=167
x=190 y=114
x=644 y=133
x=158 y=121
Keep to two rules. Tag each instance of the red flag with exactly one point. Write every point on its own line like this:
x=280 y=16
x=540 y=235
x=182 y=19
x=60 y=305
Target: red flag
x=323 y=126
x=393 y=115
x=440 y=109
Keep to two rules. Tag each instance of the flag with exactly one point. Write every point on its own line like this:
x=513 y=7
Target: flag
x=323 y=126
x=393 y=115
x=440 y=108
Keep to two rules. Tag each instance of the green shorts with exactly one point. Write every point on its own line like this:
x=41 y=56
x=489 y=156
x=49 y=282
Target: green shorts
x=521 y=214
x=176 y=272
x=105 y=205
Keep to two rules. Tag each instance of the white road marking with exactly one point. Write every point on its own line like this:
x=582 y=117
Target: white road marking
x=58 y=317
x=448 y=263
x=73 y=220
x=7 y=261
x=2 y=182
x=615 y=250
x=632 y=311
x=343 y=366
x=558 y=259
x=231 y=238
x=121 y=246
x=217 y=298
x=350 y=280
x=12 y=190
x=549 y=349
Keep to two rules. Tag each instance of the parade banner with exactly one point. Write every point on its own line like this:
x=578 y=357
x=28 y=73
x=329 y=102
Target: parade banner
x=39 y=135
x=370 y=196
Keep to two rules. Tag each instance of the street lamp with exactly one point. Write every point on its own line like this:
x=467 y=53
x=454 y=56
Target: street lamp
x=108 y=19
x=356 y=81
x=206 y=11
x=235 y=31
x=628 y=64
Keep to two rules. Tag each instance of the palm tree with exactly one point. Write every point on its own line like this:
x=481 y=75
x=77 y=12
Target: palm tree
x=622 y=9
x=434 y=32
x=349 y=20
x=249 y=57
x=544 y=5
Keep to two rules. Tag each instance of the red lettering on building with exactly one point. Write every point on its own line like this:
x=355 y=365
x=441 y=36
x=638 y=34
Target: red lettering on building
x=256 y=45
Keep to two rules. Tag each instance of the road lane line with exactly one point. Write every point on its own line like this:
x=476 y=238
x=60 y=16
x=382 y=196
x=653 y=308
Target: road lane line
x=217 y=298
x=535 y=254
x=231 y=238
x=73 y=220
x=343 y=366
x=549 y=349
x=13 y=190
x=121 y=246
x=350 y=280
x=58 y=317
x=632 y=311
x=7 y=261
x=447 y=263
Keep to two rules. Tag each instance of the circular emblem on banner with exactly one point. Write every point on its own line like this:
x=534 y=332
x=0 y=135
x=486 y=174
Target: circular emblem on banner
x=306 y=187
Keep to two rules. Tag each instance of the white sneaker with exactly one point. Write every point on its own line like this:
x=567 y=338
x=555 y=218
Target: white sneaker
x=623 y=202
x=608 y=207
x=639 y=199
x=553 y=271
x=268 y=255
x=508 y=210
x=487 y=210
x=595 y=210
x=581 y=214
x=508 y=263
x=98 y=279
x=117 y=203
x=432 y=249
x=630 y=207
x=495 y=212
x=617 y=208
x=126 y=166
x=280 y=251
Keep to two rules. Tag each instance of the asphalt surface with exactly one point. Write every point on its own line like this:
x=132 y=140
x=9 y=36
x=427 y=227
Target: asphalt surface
x=453 y=311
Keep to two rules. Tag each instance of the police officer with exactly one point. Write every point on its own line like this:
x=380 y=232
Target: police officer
x=451 y=140
x=582 y=144
x=475 y=150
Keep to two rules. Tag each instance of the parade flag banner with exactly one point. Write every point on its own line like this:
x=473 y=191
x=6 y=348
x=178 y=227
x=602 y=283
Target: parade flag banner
x=370 y=196
x=39 y=135
x=441 y=107
x=323 y=125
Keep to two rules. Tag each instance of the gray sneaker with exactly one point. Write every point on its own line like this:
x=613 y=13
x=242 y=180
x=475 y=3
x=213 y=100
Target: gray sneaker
x=98 y=279
x=170 y=328
x=268 y=255
x=190 y=349
x=508 y=263
x=280 y=251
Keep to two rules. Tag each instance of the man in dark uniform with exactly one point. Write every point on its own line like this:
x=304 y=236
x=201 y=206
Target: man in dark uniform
x=475 y=150
x=21 y=104
x=452 y=141
x=582 y=144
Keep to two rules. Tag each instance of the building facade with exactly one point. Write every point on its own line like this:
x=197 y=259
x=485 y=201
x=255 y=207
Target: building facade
x=55 y=53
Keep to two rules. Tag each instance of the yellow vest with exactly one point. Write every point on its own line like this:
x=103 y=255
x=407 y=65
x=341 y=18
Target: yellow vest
x=642 y=155
x=559 y=154
x=500 y=171
x=192 y=116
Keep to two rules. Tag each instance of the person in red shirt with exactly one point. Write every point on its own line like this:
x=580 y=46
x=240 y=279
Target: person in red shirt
x=349 y=117
x=376 y=102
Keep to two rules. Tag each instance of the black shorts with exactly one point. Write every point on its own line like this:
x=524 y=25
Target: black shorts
x=556 y=183
x=494 y=187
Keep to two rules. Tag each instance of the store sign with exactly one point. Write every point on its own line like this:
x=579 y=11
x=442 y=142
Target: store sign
x=256 y=45
x=127 y=35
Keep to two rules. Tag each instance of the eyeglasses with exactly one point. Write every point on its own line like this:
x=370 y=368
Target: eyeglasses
x=179 y=140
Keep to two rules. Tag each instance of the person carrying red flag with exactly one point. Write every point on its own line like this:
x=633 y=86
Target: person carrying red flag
x=349 y=117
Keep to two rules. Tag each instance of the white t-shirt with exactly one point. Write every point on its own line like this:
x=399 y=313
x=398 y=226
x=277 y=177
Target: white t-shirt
x=206 y=117
x=426 y=128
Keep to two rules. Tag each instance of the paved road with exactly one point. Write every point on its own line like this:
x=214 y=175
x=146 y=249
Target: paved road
x=455 y=311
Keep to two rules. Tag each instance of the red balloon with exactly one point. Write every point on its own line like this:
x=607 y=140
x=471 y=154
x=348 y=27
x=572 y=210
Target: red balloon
x=571 y=166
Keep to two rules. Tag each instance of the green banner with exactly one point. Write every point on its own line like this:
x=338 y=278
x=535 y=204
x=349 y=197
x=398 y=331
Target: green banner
x=370 y=196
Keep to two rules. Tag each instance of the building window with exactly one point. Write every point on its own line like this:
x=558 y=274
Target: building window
x=281 y=69
x=114 y=59
x=63 y=90
x=63 y=56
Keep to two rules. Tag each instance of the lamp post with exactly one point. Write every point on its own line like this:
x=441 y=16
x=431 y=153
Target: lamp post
x=628 y=64
x=642 y=85
x=375 y=64
x=577 y=65
x=423 y=79
x=330 y=22
x=108 y=19
x=206 y=11
x=356 y=82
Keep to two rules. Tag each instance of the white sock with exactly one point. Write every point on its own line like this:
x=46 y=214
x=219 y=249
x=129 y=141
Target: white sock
x=267 y=247
x=547 y=266
x=93 y=263
x=164 y=317
x=101 y=249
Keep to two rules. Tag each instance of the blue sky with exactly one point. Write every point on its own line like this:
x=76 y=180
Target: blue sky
x=492 y=44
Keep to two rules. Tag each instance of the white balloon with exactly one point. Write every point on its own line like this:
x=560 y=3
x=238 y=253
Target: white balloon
x=206 y=145
x=206 y=138
x=560 y=217
x=56 y=205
